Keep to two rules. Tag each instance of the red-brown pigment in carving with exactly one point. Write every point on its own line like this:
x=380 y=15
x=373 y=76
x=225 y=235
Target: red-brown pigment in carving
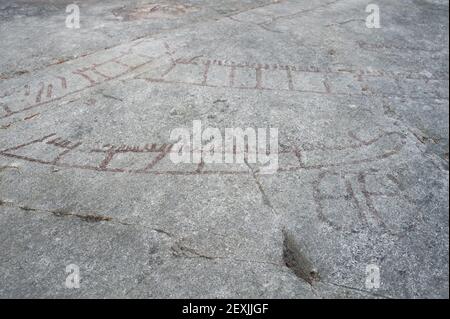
x=49 y=91
x=158 y=158
x=164 y=149
x=65 y=152
x=63 y=81
x=368 y=198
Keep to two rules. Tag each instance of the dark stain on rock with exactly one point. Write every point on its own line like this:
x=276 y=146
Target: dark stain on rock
x=91 y=218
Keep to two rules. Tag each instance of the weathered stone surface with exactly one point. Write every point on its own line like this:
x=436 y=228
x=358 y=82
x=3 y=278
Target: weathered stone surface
x=85 y=121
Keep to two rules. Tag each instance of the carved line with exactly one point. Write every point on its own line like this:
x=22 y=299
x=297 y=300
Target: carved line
x=166 y=149
x=311 y=69
x=361 y=178
x=80 y=72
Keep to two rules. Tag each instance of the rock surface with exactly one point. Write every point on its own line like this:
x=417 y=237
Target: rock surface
x=363 y=126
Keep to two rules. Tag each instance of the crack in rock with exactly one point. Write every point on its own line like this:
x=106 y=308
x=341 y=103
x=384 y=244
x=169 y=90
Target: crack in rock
x=265 y=198
x=90 y=218
x=179 y=250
